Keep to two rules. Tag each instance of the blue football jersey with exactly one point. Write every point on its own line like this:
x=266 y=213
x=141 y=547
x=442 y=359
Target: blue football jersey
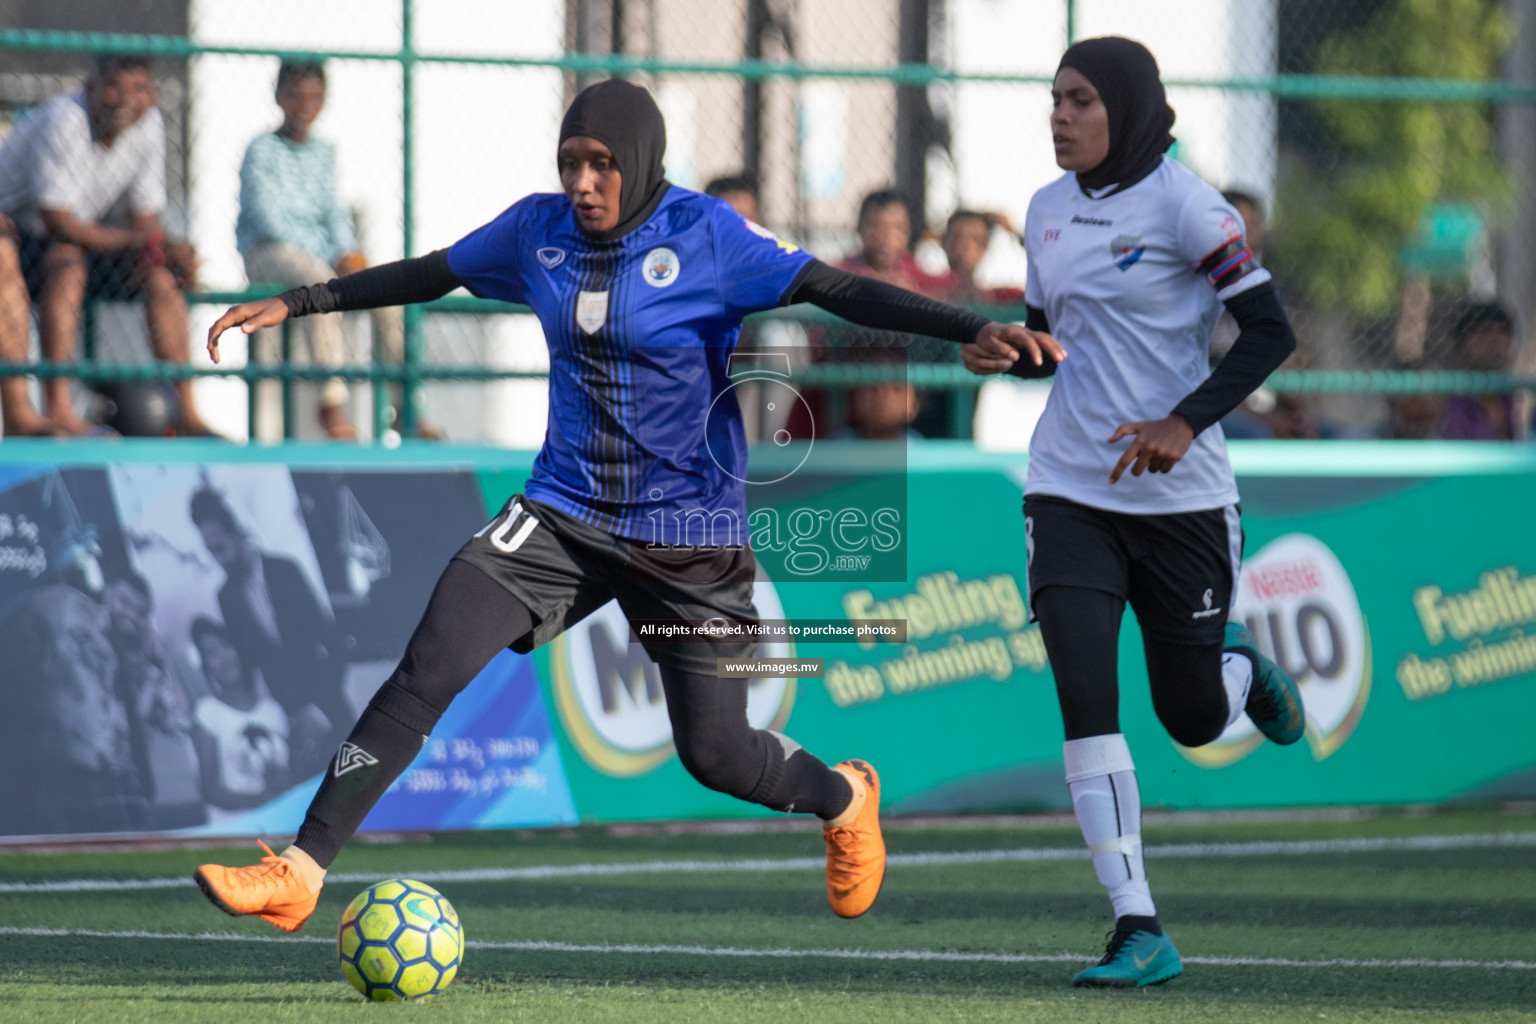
x=645 y=436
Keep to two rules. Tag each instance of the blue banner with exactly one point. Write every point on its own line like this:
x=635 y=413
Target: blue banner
x=183 y=647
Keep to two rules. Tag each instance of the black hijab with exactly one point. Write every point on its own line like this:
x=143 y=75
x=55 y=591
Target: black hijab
x=1125 y=73
x=624 y=118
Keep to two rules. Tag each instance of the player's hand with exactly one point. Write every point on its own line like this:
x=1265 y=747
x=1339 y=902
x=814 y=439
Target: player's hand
x=998 y=346
x=250 y=317
x=1158 y=447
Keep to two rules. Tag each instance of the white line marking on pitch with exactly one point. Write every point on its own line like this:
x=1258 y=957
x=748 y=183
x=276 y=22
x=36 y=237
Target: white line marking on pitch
x=1310 y=847
x=929 y=955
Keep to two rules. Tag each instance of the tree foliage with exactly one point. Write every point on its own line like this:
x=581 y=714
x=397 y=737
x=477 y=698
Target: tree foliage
x=1343 y=219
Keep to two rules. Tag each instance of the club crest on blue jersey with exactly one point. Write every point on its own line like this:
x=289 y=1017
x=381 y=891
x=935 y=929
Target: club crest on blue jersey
x=660 y=267
x=550 y=257
x=591 y=311
x=1126 y=250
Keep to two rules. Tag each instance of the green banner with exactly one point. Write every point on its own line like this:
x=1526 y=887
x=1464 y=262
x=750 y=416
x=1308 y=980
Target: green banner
x=1396 y=582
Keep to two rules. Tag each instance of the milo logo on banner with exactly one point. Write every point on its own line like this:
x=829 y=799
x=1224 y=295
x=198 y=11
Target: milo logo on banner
x=608 y=690
x=1300 y=604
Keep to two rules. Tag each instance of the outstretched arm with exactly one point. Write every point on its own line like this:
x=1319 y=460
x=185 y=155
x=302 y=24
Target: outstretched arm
x=870 y=302
x=391 y=284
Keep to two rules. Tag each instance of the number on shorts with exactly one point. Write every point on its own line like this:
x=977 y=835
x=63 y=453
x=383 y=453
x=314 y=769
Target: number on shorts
x=509 y=529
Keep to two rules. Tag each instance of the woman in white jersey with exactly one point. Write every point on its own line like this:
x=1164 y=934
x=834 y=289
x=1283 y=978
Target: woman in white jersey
x=1131 y=259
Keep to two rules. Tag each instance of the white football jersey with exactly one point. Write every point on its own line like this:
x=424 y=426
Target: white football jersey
x=50 y=161
x=1120 y=283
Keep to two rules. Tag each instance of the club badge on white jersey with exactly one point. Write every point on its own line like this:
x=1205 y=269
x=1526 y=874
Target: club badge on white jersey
x=660 y=267
x=1126 y=249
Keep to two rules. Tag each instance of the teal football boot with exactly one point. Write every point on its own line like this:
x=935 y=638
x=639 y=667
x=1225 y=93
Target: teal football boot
x=1274 y=702
x=1135 y=958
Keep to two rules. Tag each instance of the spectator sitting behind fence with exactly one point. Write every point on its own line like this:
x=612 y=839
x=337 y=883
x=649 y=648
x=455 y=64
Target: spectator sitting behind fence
x=967 y=237
x=740 y=190
x=885 y=252
x=83 y=180
x=1483 y=342
x=1412 y=417
x=885 y=240
x=293 y=230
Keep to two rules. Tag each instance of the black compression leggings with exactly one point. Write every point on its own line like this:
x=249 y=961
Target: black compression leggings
x=1081 y=629
x=719 y=747
x=469 y=620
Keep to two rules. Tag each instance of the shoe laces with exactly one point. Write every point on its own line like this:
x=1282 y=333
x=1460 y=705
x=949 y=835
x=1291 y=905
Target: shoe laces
x=1115 y=943
x=259 y=874
x=845 y=841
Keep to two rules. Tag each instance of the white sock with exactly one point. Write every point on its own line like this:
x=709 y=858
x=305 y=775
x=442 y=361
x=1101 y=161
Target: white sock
x=1102 y=780
x=1237 y=677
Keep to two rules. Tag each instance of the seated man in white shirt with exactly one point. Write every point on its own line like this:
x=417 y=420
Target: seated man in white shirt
x=83 y=180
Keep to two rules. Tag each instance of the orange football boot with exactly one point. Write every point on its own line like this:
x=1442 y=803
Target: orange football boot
x=271 y=890
x=855 y=848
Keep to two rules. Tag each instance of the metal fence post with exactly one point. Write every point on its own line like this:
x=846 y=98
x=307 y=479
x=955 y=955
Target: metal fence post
x=290 y=419
x=410 y=384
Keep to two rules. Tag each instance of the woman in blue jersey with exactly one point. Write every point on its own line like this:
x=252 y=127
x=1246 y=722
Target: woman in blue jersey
x=641 y=288
x=1131 y=258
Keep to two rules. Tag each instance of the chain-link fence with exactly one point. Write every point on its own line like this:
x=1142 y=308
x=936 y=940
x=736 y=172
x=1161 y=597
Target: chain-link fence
x=1385 y=149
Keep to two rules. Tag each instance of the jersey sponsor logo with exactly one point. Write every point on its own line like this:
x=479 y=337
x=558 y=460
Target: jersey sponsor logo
x=1095 y=221
x=609 y=697
x=762 y=232
x=1126 y=250
x=1297 y=599
x=660 y=267
x=550 y=257
x=1208 y=611
x=351 y=757
x=591 y=311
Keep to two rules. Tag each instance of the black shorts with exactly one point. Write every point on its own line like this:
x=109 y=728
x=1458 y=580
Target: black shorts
x=564 y=570
x=113 y=275
x=1178 y=572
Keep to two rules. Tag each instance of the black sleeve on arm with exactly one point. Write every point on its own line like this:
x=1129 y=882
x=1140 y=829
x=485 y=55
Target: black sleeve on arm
x=1264 y=340
x=870 y=302
x=390 y=284
x=1035 y=320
